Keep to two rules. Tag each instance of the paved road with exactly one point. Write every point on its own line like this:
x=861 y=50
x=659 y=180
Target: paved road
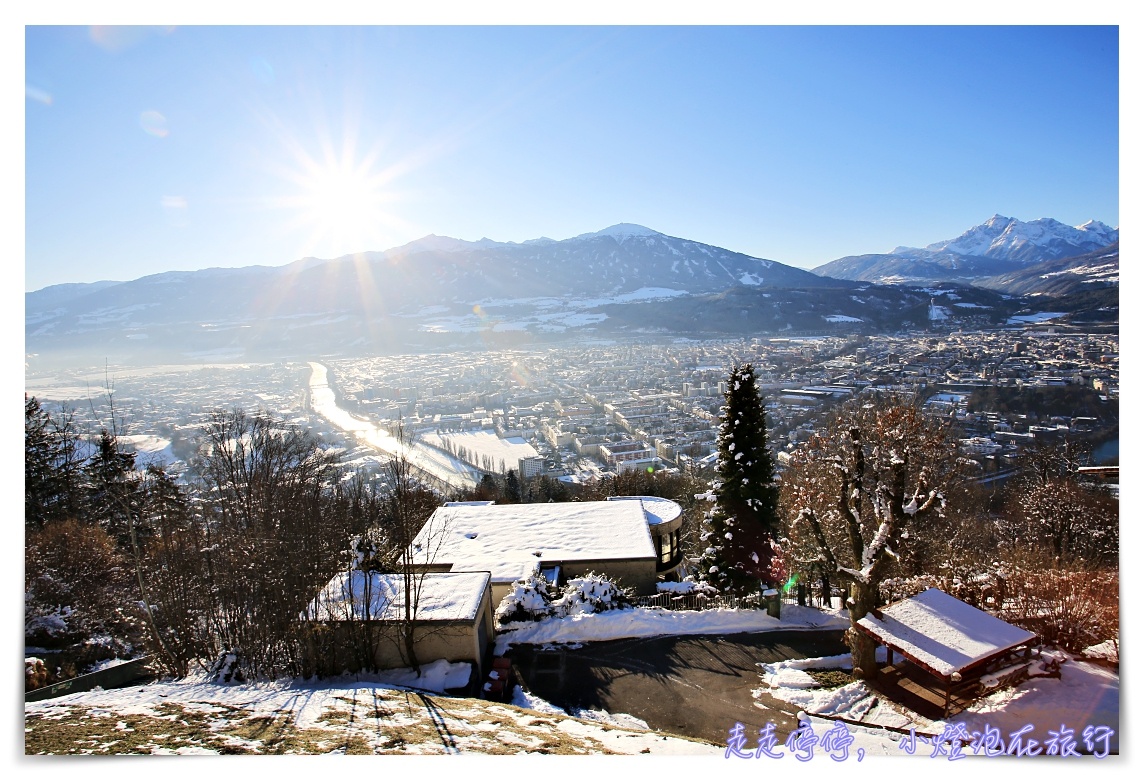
x=698 y=686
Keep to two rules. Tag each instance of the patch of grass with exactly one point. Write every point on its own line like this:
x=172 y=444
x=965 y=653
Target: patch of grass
x=80 y=731
x=831 y=678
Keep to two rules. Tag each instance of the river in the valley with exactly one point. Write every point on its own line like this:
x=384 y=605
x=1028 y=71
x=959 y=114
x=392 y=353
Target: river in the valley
x=436 y=463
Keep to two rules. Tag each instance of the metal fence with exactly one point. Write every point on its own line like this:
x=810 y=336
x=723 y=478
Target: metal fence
x=112 y=677
x=698 y=601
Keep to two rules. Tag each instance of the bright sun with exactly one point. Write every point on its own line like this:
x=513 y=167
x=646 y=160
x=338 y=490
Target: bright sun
x=341 y=203
x=341 y=200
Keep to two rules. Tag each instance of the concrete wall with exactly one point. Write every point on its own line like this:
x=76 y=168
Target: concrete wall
x=451 y=640
x=500 y=590
x=637 y=574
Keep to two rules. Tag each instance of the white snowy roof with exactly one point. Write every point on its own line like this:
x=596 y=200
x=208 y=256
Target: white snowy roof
x=656 y=510
x=942 y=632
x=488 y=538
x=444 y=596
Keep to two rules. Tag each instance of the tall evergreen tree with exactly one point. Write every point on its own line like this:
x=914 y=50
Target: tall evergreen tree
x=740 y=541
x=511 y=487
x=114 y=495
x=51 y=466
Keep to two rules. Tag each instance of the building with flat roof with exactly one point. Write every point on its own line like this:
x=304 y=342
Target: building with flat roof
x=630 y=540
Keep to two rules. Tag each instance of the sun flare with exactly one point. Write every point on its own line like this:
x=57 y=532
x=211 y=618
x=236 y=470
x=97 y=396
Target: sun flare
x=340 y=203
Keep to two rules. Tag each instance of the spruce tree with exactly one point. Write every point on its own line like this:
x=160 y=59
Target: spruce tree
x=743 y=526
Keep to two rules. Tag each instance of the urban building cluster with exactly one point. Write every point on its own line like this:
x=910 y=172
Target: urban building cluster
x=589 y=409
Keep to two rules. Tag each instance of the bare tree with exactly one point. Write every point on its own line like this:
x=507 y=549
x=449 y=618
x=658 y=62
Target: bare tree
x=274 y=532
x=413 y=544
x=871 y=510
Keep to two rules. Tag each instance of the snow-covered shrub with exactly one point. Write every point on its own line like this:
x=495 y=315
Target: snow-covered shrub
x=590 y=594
x=226 y=668
x=528 y=599
x=688 y=585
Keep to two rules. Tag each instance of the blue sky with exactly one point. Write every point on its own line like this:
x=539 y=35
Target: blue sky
x=149 y=150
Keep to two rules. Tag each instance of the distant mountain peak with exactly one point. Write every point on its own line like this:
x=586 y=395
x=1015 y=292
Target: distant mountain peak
x=434 y=242
x=621 y=231
x=996 y=246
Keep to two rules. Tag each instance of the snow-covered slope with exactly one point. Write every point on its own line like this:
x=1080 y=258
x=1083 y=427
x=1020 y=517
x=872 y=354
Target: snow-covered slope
x=1066 y=276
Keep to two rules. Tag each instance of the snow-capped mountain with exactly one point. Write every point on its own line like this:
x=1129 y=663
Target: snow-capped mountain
x=1011 y=239
x=999 y=245
x=435 y=284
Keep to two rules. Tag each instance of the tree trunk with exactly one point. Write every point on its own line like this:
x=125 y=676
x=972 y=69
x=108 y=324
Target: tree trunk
x=863 y=598
x=411 y=649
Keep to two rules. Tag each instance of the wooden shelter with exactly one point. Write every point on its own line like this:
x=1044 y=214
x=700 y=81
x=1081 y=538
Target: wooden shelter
x=950 y=652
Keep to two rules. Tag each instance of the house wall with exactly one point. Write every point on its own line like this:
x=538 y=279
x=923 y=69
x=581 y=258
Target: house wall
x=500 y=590
x=635 y=573
x=451 y=640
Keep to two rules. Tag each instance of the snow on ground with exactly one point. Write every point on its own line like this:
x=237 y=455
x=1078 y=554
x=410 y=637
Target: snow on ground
x=840 y=318
x=640 y=622
x=437 y=676
x=1086 y=694
x=150 y=449
x=349 y=714
x=1033 y=319
x=503 y=454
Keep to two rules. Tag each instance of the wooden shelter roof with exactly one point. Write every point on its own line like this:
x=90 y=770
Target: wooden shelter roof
x=941 y=633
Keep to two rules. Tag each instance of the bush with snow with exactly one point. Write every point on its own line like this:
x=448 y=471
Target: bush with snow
x=35 y=673
x=528 y=599
x=226 y=668
x=688 y=585
x=590 y=594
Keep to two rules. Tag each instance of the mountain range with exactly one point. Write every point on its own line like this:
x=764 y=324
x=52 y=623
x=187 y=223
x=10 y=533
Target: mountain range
x=998 y=246
x=441 y=292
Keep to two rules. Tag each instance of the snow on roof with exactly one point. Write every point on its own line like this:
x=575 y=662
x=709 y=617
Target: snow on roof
x=479 y=538
x=444 y=596
x=942 y=632
x=511 y=571
x=656 y=510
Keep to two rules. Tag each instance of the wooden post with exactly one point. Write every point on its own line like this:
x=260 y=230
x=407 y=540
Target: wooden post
x=948 y=685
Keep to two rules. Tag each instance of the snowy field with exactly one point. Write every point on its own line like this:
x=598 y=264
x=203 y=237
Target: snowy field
x=483 y=446
x=1034 y=319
